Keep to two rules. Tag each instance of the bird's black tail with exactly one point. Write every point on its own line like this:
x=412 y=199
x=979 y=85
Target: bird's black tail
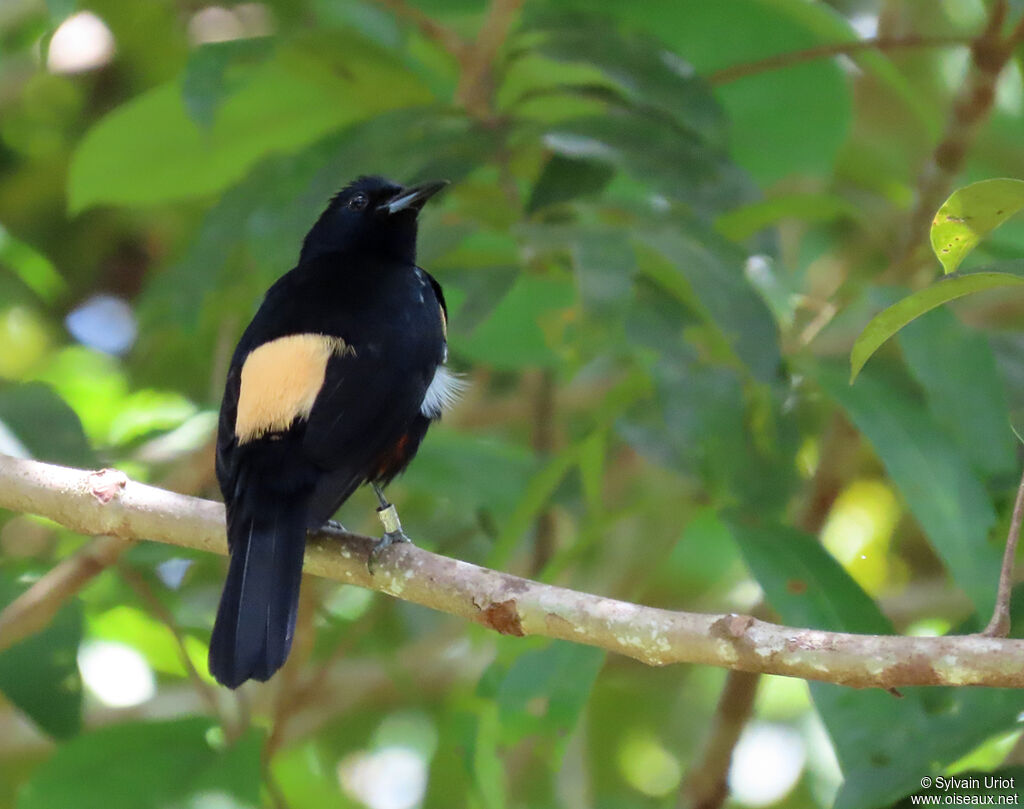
x=256 y=618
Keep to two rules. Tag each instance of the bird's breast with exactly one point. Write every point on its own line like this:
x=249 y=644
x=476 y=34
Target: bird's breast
x=407 y=318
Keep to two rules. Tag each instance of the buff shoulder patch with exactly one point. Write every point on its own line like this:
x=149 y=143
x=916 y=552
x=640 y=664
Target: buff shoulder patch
x=281 y=380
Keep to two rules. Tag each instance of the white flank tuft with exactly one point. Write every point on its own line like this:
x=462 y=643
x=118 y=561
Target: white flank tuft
x=444 y=391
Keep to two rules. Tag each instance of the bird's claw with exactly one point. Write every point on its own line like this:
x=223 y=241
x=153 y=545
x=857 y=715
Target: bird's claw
x=382 y=544
x=334 y=525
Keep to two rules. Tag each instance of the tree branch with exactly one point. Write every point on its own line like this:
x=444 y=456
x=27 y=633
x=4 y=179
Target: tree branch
x=475 y=57
x=33 y=610
x=476 y=88
x=106 y=502
x=145 y=593
x=706 y=785
x=990 y=51
x=781 y=60
x=999 y=626
x=543 y=445
x=429 y=27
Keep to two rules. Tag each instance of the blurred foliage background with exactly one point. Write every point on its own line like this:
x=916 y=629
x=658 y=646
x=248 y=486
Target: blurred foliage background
x=655 y=264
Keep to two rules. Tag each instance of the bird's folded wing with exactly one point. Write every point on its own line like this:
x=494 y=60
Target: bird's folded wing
x=363 y=407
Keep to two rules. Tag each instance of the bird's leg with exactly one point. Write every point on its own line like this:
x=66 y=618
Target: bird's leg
x=388 y=515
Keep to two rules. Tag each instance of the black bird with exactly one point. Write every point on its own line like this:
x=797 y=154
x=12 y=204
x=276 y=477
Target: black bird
x=333 y=384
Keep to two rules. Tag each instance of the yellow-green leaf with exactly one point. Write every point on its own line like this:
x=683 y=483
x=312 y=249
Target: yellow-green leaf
x=970 y=214
x=889 y=321
x=148 y=151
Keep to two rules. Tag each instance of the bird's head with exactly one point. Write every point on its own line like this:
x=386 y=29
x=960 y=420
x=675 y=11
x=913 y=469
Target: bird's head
x=371 y=212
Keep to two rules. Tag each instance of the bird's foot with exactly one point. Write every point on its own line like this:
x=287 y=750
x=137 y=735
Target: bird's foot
x=392 y=533
x=383 y=544
x=334 y=525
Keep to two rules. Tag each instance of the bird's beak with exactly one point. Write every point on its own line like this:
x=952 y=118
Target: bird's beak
x=412 y=198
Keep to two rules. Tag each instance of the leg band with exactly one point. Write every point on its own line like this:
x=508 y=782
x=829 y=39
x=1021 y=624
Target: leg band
x=389 y=519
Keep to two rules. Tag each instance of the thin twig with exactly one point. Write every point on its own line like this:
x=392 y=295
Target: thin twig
x=437 y=660
x=706 y=784
x=543 y=446
x=516 y=606
x=999 y=626
x=303 y=693
x=990 y=52
x=274 y=789
x=142 y=589
x=476 y=82
x=33 y=610
x=840 y=446
x=429 y=27
x=781 y=60
x=1017 y=35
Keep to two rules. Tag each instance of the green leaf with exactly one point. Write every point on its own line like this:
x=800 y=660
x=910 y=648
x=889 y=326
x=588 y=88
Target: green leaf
x=884 y=745
x=832 y=26
x=605 y=264
x=592 y=470
x=957 y=369
x=934 y=476
x=60 y=10
x=642 y=70
x=522 y=329
x=146 y=411
x=45 y=424
x=34 y=269
x=305 y=783
x=743 y=222
x=677 y=164
x=970 y=214
x=545 y=691
x=702 y=559
x=889 y=321
x=702 y=422
x=709 y=268
x=541 y=487
x=40 y=674
x=158 y=765
x=207 y=79
x=92 y=383
x=804 y=583
x=786 y=121
x=151 y=41
x=488 y=771
x=148 y=636
x=149 y=151
x=564 y=179
x=535 y=496
x=448 y=468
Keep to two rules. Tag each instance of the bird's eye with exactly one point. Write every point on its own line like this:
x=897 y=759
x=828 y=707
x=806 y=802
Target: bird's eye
x=358 y=202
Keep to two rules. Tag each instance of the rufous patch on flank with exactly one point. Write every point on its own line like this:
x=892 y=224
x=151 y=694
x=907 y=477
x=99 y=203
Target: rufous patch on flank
x=394 y=457
x=280 y=382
